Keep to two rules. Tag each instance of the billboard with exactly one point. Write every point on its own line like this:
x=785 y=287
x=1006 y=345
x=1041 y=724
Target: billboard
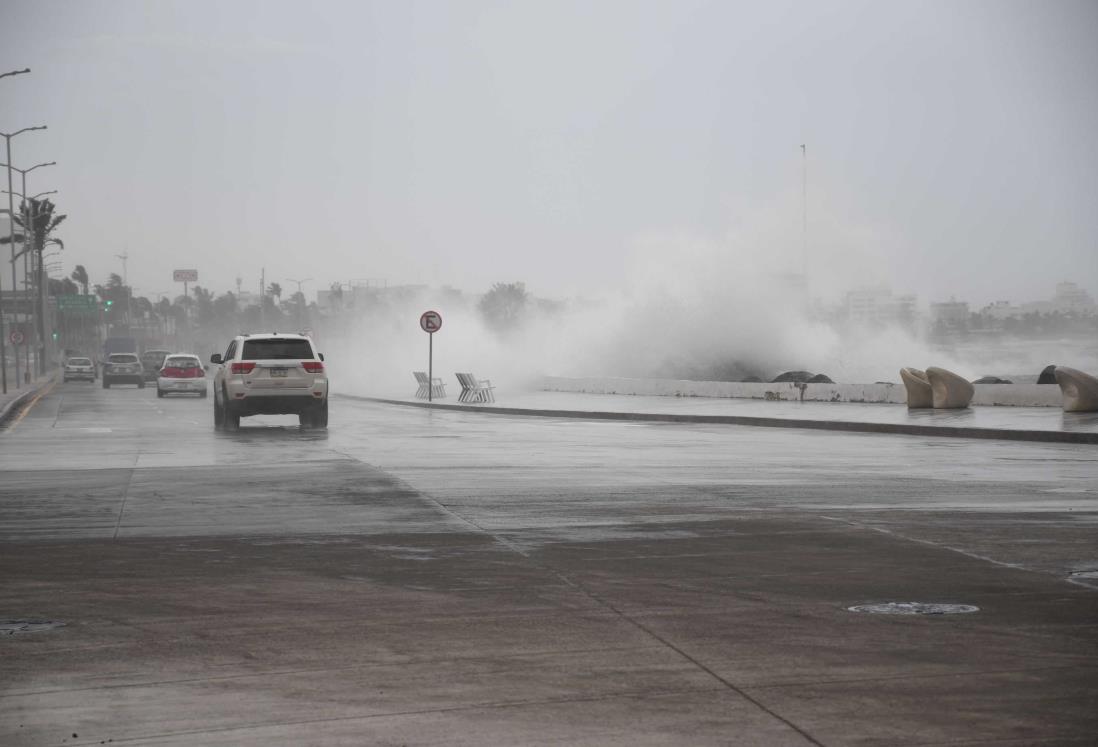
x=185 y=276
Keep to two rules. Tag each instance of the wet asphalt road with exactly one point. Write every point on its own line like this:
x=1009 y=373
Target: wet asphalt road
x=437 y=578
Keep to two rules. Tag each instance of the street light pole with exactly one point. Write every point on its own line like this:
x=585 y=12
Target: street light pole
x=38 y=309
x=11 y=219
x=11 y=236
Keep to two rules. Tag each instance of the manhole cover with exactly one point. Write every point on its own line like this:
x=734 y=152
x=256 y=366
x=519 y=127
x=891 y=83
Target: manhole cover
x=914 y=608
x=12 y=627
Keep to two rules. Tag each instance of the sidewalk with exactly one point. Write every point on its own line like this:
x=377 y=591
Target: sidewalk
x=1009 y=423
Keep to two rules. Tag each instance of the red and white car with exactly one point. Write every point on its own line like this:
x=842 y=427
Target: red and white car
x=182 y=373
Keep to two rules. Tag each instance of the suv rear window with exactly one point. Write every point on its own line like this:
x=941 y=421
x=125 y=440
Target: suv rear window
x=123 y=358
x=276 y=349
x=79 y=362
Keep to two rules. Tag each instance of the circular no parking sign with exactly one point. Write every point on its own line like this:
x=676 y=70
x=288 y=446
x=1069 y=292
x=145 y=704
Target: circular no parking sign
x=430 y=321
x=16 y=337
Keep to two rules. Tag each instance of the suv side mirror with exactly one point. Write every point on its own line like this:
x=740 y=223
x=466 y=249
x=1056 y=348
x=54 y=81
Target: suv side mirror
x=215 y=358
x=320 y=355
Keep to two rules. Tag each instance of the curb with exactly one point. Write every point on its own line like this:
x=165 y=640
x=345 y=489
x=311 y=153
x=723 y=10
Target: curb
x=9 y=410
x=846 y=426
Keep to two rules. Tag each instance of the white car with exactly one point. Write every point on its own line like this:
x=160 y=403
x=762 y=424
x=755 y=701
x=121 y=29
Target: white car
x=272 y=374
x=78 y=368
x=182 y=373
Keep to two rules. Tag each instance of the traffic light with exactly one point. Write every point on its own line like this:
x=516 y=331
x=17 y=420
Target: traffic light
x=55 y=335
x=107 y=304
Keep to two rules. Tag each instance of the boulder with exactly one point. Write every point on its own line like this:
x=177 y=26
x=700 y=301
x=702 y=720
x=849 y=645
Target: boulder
x=792 y=376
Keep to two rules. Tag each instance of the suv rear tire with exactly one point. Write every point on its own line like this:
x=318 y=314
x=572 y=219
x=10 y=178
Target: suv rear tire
x=314 y=417
x=231 y=417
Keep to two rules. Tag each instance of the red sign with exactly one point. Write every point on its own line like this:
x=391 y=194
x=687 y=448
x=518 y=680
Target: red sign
x=16 y=337
x=431 y=322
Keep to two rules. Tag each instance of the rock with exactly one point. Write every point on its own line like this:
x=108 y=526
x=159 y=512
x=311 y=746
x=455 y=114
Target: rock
x=794 y=376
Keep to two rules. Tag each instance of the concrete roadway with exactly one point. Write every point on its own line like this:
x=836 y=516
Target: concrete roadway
x=417 y=577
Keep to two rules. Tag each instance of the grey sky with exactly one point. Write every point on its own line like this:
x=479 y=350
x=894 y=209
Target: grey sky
x=470 y=142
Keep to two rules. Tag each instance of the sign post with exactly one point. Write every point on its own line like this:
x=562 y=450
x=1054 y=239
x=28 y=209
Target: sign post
x=185 y=276
x=430 y=322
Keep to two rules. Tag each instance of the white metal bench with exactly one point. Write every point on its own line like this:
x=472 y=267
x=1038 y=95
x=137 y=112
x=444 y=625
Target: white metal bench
x=433 y=388
x=474 y=389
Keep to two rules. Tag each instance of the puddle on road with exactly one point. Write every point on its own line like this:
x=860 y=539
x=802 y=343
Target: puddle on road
x=18 y=627
x=914 y=608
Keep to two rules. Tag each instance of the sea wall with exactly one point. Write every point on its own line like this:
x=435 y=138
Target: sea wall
x=1016 y=395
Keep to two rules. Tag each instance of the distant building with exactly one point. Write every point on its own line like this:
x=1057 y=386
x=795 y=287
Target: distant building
x=1071 y=298
x=950 y=313
x=1002 y=310
x=877 y=305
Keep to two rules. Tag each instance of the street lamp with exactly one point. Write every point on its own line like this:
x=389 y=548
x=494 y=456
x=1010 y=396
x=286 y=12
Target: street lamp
x=11 y=233
x=33 y=197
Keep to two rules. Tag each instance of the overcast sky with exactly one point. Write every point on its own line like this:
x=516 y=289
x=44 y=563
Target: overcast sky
x=952 y=147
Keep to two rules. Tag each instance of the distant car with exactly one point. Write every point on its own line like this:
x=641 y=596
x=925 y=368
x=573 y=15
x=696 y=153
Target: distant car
x=151 y=363
x=123 y=368
x=275 y=374
x=182 y=373
x=78 y=369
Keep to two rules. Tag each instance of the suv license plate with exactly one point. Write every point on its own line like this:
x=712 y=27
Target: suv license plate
x=278 y=372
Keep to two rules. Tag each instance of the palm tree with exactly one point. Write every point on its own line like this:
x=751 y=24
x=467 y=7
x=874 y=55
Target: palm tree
x=80 y=275
x=275 y=290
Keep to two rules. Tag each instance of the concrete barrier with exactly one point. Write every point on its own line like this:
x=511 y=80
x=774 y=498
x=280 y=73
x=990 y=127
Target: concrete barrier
x=1016 y=395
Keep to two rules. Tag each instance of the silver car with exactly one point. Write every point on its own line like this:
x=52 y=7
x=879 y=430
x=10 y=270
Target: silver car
x=78 y=369
x=123 y=368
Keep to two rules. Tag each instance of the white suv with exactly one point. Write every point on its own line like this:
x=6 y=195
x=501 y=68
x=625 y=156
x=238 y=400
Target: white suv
x=273 y=374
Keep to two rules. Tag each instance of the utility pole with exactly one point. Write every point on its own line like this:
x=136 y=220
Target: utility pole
x=263 y=298
x=124 y=256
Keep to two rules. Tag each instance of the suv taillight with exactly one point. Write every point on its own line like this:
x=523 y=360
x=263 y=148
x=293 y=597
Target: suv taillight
x=313 y=366
x=242 y=367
